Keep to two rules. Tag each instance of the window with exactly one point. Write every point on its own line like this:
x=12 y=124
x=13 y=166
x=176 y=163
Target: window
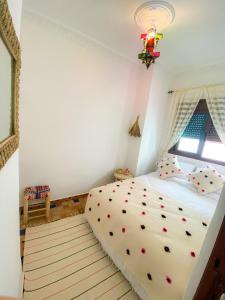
x=200 y=139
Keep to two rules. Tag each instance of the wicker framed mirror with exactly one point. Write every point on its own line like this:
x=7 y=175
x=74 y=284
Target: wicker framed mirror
x=10 y=62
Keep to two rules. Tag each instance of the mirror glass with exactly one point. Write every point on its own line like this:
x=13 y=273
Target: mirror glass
x=6 y=79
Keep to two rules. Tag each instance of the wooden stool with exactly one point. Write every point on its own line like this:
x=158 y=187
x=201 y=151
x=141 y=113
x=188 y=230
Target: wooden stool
x=33 y=196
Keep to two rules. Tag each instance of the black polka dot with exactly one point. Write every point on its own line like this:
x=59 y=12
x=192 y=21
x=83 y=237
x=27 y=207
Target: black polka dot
x=180 y=208
x=100 y=191
x=188 y=233
x=111 y=233
x=124 y=211
x=110 y=199
x=117 y=185
x=163 y=216
x=143 y=203
x=143 y=227
x=204 y=224
x=206 y=176
x=160 y=198
x=167 y=249
x=145 y=190
x=129 y=193
x=161 y=167
x=167 y=164
x=132 y=182
x=89 y=208
x=99 y=220
x=128 y=252
x=200 y=171
x=211 y=182
x=149 y=276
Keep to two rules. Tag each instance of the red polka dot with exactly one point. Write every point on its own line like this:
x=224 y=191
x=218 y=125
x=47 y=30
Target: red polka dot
x=98 y=204
x=164 y=229
x=123 y=229
x=198 y=183
x=160 y=175
x=143 y=250
x=168 y=279
x=162 y=206
x=192 y=254
x=126 y=200
x=144 y=195
x=184 y=219
x=143 y=213
x=90 y=195
x=166 y=173
x=113 y=191
x=193 y=178
x=179 y=170
x=108 y=216
x=203 y=190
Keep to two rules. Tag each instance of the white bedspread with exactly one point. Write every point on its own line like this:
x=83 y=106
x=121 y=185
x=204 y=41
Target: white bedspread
x=153 y=239
x=183 y=192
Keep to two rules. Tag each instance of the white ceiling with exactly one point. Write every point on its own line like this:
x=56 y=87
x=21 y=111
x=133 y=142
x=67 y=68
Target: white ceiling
x=195 y=39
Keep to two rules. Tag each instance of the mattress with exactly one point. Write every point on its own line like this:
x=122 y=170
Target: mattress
x=63 y=260
x=183 y=192
x=153 y=230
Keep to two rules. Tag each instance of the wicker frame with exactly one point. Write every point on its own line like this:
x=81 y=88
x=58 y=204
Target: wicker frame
x=8 y=34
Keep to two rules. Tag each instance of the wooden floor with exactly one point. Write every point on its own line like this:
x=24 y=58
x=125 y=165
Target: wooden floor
x=60 y=209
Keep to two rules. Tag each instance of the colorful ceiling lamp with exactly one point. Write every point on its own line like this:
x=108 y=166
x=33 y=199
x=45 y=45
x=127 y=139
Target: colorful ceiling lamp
x=149 y=53
x=152 y=15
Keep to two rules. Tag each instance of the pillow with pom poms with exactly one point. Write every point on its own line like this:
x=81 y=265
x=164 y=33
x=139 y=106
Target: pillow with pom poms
x=169 y=167
x=207 y=180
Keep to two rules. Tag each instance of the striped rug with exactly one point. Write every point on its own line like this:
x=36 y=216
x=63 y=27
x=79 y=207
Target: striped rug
x=63 y=260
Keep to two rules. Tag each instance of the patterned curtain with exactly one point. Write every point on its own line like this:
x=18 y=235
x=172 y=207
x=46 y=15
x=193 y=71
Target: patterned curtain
x=215 y=98
x=183 y=106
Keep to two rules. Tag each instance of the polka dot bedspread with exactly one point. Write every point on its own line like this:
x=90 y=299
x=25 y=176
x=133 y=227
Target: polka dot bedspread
x=153 y=239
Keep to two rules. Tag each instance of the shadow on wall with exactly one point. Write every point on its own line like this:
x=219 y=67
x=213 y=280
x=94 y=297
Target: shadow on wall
x=106 y=179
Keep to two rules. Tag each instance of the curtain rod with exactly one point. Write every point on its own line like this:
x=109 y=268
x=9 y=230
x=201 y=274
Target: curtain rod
x=196 y=87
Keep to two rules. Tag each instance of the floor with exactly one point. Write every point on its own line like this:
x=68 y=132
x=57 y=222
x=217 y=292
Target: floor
x=60 y=209
x=64 y=260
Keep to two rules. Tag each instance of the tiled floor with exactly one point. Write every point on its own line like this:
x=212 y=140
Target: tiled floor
x=59 y=209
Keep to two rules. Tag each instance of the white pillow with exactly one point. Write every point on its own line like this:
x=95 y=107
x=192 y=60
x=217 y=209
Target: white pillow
x=207 y=180
x=169 y=167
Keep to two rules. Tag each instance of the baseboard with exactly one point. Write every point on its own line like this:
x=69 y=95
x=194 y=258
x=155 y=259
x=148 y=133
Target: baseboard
x=71 y=197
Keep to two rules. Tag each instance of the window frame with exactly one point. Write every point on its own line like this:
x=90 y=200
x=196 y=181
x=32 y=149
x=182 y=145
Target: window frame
x=198 y=155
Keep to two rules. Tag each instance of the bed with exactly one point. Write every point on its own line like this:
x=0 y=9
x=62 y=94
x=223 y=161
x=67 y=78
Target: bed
x=140 y=237
x=153 y=231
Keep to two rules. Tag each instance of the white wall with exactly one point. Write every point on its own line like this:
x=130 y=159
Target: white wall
x=139 y=108
x=205 y=76
x=10 y=265
x=77 y=105
x=156 y=120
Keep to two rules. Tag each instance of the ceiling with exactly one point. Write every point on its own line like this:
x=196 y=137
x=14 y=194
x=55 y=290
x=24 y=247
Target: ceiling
x=195 y=39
